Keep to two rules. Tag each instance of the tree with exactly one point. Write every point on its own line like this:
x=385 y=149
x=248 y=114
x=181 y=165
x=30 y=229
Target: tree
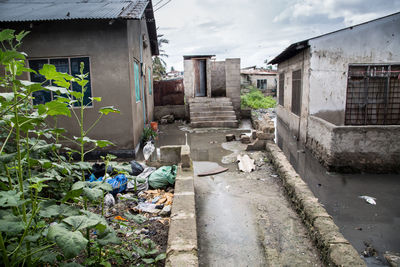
x=159 y=65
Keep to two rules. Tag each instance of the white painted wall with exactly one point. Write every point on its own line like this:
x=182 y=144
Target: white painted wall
x=374 y=42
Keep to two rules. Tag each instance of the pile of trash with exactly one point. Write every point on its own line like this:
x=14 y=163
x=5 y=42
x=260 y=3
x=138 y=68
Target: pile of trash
x=147 y=189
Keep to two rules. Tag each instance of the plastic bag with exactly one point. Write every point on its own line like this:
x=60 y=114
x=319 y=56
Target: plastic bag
x=142 y=183
x=136 y=168
x=109 y=200
x=118 y=183
x=148 y=149
x=163 y=177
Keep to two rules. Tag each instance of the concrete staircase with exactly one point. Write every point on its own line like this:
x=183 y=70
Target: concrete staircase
x=212 y=112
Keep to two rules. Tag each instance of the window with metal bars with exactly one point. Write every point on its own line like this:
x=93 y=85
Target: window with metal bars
x=281 y=89
x=373 y=95
x=296 y=92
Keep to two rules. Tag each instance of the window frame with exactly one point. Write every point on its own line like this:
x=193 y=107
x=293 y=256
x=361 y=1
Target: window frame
x=260 y=83
x=281 y=89
x=296 y=109
x=69 y=70
x=150 y=80
x=136 y=79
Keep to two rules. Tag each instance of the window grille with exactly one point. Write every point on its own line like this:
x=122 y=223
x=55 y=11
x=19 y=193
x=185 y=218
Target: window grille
x=373 y=95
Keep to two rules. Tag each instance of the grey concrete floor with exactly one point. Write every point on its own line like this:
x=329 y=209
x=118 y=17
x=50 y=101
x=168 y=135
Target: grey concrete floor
x=243 y=219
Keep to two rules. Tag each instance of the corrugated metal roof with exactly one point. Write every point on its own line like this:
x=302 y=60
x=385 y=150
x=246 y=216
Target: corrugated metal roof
x=258 y=72
x=40 y=10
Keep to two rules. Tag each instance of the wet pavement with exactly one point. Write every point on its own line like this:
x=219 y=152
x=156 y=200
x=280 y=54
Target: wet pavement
x=359 y=222
x=243 y=219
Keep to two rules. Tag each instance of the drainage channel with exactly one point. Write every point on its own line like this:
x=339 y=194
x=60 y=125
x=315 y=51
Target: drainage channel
x=369 y=228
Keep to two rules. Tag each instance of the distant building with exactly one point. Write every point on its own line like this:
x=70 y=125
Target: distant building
x=212 y=90
x=339 y=93
x=263 y=79
x=174 y=74
x=116 y=41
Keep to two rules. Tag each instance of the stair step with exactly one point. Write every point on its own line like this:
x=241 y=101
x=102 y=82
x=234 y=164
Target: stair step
x=212 y=118
x=209 y=100
x=211 y=113
x=225 y=124
x=211 y=108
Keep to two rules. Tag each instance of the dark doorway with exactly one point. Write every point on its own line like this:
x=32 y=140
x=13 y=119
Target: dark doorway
x=201 y=77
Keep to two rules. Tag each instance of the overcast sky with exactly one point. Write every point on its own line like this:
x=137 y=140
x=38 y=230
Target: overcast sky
x=258 y=29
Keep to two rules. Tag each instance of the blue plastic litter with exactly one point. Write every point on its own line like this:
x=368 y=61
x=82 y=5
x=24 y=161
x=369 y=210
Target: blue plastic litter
x=93 y=178
x=118 y=183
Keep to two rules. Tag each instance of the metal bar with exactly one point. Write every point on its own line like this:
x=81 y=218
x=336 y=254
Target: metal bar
x=366 y=84
x=386 y=94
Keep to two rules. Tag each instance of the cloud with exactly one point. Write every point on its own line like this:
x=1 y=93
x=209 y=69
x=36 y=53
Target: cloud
x=256 y=30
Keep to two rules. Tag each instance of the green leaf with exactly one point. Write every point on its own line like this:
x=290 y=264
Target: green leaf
x=77 y=95
x=21 y=35
x=71 y=264
x=139 y=250
x=6 y=35
x=109 y=109
x=87 y=220
x=82 y=83
x=10 y=199
x=105 y=264
x=139 y=219
x=33 y=238
x=49 y=257
x=98 y=99
x=93 y=194
x=103 y=143
x=83 y=165
x=7 y=96
x=108 y=237
x=57 y=108
x=148 y=261
x=45 y=163
x=80 y=222
x=160 y=257
x=57 y=89
x=102 y=185
x=11 y=224
x=72 y=195
x=78 y=185
x=71 y=242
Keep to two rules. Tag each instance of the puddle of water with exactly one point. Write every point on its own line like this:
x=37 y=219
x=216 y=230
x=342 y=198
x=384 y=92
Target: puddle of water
x=358 y=221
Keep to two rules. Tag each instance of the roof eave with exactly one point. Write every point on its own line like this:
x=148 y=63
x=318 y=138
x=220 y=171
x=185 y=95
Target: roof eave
x=290 y=51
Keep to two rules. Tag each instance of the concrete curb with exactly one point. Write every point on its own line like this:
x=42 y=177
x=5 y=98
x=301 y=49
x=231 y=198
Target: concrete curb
x=182 y=237
x=335 y=249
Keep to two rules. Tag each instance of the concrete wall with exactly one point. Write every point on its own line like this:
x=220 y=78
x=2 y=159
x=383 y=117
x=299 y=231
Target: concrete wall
x=375 y=42
x=136 y=44
x=111 y=49
x=179 y=112
x=297 y=124
x=218 y=78
x=232 y=71
x=355 y=148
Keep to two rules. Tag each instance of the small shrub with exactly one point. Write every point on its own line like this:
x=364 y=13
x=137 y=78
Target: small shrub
x=256 y=100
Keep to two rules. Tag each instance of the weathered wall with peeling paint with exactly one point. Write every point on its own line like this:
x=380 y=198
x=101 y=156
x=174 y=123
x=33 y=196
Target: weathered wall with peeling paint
x=375 y=42
x=324 y=68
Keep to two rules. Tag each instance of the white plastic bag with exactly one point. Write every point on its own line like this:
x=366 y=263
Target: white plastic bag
x=148 y=149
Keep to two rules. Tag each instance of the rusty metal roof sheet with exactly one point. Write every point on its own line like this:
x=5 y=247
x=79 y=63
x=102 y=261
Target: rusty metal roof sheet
x=258 y=72
x=44 y=10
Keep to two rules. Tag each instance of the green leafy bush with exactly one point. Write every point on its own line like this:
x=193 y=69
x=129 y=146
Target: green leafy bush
x=256 y=100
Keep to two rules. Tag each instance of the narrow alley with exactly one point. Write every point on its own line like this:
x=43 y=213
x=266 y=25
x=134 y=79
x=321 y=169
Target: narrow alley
x=243 y=219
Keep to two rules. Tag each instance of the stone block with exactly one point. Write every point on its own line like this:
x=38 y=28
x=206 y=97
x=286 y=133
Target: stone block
x=264 y=136
x=245 y=139
x=186 y=161
x=230 y=137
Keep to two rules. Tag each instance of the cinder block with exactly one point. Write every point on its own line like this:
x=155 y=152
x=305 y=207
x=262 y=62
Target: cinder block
x=170 y=154
x=186 y=161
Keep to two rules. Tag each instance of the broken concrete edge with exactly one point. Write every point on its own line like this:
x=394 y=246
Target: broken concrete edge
x=182 y=237
x=334 y=248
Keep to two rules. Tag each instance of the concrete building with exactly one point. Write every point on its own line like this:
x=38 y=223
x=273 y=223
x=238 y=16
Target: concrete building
x=115 y=39
x=339 y=93
x=263 y=79
x=212 y=90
